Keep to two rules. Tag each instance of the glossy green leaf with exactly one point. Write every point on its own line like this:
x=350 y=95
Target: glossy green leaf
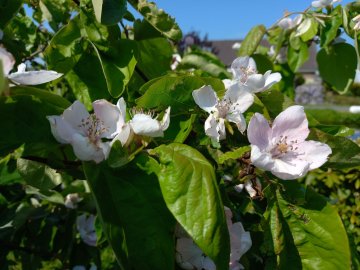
x=189 y=187
x=8 y=9
x=237 y=153
x=158 y=18
x=66 y=47
x=317 y=231
x=135 y=219
x=38 y=174
x=337 y=65
x=185 y=129
x=55 y=12
x=345 y=153
x=154 y=57
x=172 y=90
x=117 y=66
x=109 y=12
x=252 y=40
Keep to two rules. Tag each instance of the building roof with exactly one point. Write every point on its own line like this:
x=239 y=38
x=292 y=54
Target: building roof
x=227 y=54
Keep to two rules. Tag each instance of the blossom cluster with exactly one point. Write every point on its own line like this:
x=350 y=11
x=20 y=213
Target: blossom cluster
x=92 y=135
x=280 y=148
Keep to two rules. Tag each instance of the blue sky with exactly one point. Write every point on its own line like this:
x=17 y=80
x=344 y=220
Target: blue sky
x=228 y=19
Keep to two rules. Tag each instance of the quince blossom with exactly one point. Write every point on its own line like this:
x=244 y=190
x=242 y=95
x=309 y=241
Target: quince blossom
x=287 y=23
x=85 y=132
x=86 y=226
x=189 y=256
x=245 y=73
x=142 y=124
x=282 y=148
x=323 y=3
x=71 y=200
x=25 y=77
x=230 y=108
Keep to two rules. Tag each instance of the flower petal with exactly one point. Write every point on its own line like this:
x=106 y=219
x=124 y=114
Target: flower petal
x=34 y=77
x=316 y=153
x=75 y=114
x=256 y=83
x=261 y=159
x=143 y=124
x=188 y=250
x=237 y=118
x=290 y=169
x=125 y=135
x=7 y=60
x=122 y=107
x=206 y=98
x=215 y=128
x=271 y=79
x=165 y=122
x=110 y=116
x=241 y=65
x=240 y=99
x=259 y=131
x=61 y=130
x=291 y=123
x=240 y=241
x=86 y=150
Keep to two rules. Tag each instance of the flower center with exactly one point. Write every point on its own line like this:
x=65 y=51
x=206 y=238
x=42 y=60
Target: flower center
x=283 y=146
x=223 y=108
x=93 y=127
x=247 y=71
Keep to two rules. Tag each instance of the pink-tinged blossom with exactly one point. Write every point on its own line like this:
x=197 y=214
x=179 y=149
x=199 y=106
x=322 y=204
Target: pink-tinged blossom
x=23 y=77
x=282 y=148
x=86 y=132
x=245 y=73
x=71 y=200
x=86 y=226
x=288 y=23
x=189 y=256
x=356 y=20
x=231 y=108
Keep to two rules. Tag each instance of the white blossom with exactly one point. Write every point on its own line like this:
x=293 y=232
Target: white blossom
x=323 y=3
x=25 y=77
x=86 y=226
x=176 y=59
x=142 y=124
x=288 y=23
x=71 y=200
x=85 y=132
x=245 y=73
x=282 y=148
x=231 y=108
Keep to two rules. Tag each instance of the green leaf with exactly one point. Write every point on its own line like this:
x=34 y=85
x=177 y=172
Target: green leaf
x=317 y=230
x=308 y=29
x=23 y=118
x=135 y=219
x=337 y=65
x=158 y=18
x=237 y=153
x=155 y=56
x=205 y=61
x=117 y=66
x=296 y=58
x=345 y=153
x=172 y=90
x=66 y=47
x=185 y=129
x=331 y=29
x=109 y=12
x=55 y=12
x=275 y=102
x=3 y=81
x=189 y=187
x=8 y=9
x=252 y=40
x=38 y=174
